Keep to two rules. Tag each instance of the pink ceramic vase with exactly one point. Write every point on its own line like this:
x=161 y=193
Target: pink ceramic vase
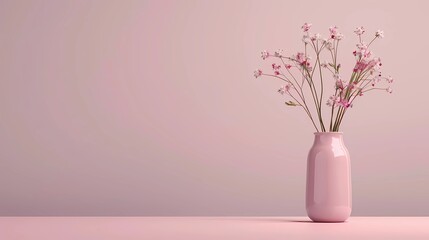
x=329 y=192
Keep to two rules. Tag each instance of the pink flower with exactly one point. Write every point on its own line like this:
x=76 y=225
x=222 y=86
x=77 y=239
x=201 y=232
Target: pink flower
x=379 y=34
x=276 y=73
x=367 y=54
x=315 y=37
x=362 y=51
x=360 y=66
x=285 y=89
x=339 y=36
x=265 y=54
x=378 y=63
x=278 y=53
x=288 y=66
x=376 y=80
x=275 y=66
x=389 y=90
x=339 y=83
x=333 y=30
x=359 y=31
x=302 y=60
x=362 y=46
x=306 y=39
x=257 y=73
x=389 y=79
x=351 y=86
x=306 y=27
x=332 y=101
x=299 y=57
x=344 y=103
x=372 y=63
x=335 y=34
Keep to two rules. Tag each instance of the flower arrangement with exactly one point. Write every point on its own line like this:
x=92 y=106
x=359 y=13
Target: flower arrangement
x=300 y=75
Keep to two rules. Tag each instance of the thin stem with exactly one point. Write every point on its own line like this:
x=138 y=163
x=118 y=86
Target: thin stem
x=373 y=89
x=372 y=41
x=303 y=105
x=336 y=124
x=321 y=92
x=332 y=112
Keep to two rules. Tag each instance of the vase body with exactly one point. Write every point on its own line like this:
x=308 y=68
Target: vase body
x=328 y=190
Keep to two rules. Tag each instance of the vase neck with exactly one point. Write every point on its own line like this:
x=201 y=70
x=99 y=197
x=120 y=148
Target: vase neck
x=328 y=138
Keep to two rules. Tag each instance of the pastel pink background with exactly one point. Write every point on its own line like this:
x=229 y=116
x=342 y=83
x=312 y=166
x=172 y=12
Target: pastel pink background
x=151 y=108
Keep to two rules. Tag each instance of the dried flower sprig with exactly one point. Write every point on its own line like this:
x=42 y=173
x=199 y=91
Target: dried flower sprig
x=365 y=76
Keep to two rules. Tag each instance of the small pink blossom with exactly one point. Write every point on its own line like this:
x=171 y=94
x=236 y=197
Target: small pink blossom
x=316 y=37
x=339 y=36
x=335 y=34
x=300 y=57
x=333 y=30
x=278 y=53
x=371 y=63
x=265 y=54
x=379 y=34
x=302 y=60
x=359 y=31
x=363 y=51
x=306 y=39
x=389 y=79
x=360 y=66
x=378 y=63
x=339 y=83
x=367 y=54
x=276 y=73
x=285 y=89
x=275 y=66
x=332 y=101
x=376 y=80
x=257 y=73
x=351 y=86
x=389 y=90
x=362 y=46
x=288 y=66
x=306 y=27
x=344 y=103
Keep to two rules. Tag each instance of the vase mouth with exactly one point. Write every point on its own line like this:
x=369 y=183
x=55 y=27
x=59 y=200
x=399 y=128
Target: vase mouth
x=328 y=133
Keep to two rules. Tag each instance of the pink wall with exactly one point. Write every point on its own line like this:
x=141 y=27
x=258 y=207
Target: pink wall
x=150 y=108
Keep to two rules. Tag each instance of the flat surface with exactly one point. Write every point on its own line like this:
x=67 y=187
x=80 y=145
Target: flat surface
x=178 y=228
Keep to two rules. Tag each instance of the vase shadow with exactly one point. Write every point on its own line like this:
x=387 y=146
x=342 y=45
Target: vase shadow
x=290 y=220
x=301 y=221
x=278 y=219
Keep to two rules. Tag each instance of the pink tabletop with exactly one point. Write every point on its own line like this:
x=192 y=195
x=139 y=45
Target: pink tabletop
x=206 y=228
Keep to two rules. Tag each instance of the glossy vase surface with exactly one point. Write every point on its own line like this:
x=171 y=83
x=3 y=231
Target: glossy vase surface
x=328 y=190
